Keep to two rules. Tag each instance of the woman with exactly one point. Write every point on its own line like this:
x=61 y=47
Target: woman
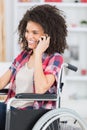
x=42 y=37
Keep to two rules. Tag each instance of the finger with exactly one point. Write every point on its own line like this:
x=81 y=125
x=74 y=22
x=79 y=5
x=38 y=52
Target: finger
x=48 y=39
x=46 y=35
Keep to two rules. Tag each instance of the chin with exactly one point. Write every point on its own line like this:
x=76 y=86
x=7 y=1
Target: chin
x=32 y=46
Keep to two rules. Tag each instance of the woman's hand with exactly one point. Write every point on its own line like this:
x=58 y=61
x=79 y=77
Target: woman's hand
x=43 y=44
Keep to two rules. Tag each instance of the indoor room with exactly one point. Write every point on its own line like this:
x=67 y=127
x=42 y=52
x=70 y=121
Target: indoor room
x=74 y=91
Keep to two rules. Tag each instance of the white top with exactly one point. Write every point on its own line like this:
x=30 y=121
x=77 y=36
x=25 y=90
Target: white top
x=24 y=84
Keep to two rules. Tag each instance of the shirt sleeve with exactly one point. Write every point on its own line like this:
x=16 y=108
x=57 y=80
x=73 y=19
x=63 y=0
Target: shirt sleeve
x=15 y=63
x=54 y=65
x=13 y=66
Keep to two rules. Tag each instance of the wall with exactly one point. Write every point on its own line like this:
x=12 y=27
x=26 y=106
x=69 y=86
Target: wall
x=9 y=13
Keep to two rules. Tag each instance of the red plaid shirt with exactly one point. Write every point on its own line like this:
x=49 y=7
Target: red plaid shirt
x=51 y=65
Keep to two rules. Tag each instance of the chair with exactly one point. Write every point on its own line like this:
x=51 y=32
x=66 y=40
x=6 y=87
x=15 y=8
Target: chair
x=44 y=119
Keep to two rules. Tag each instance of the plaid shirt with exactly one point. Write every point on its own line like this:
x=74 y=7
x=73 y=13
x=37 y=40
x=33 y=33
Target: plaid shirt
x=51 y=65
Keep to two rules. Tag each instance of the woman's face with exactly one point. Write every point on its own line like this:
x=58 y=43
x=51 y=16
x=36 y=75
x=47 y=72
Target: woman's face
x=33 y=33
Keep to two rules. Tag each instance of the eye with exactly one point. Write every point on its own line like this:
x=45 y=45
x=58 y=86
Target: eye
x=35 y=32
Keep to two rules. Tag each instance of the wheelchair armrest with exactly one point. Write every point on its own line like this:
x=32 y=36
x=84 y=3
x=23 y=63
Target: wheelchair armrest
x=35 y=96
x=4 y=91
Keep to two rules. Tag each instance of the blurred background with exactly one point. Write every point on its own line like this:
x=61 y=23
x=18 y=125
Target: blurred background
x=75 y=11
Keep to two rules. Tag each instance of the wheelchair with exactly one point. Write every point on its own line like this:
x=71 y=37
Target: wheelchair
x=44 y=119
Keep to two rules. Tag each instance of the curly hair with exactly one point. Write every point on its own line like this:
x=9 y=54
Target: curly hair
x=53 y=23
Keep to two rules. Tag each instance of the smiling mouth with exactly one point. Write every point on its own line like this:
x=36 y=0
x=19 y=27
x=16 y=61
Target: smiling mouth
x=31 y=42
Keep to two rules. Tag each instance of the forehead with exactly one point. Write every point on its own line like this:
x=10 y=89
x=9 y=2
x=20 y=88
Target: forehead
x=34 y=26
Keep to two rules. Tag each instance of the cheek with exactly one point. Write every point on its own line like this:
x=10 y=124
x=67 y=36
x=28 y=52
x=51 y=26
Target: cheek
x=25 y=35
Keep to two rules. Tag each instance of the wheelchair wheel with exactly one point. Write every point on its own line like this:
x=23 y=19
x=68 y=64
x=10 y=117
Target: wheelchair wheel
x=60 y=119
